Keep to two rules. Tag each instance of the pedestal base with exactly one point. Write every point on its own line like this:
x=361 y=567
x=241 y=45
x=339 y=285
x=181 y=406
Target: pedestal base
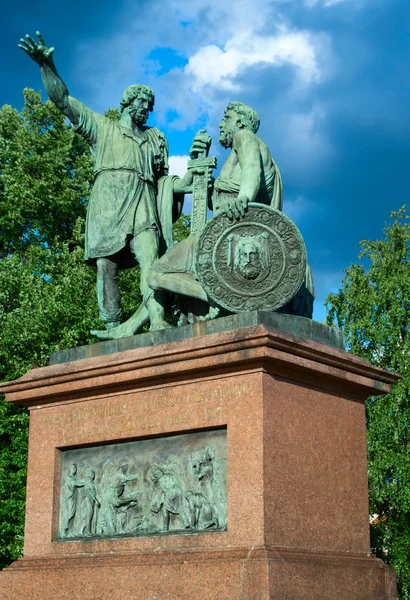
x=241 y=574
x=297 y=506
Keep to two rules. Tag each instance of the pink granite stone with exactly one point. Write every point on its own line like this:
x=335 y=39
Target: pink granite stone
x=297 y=481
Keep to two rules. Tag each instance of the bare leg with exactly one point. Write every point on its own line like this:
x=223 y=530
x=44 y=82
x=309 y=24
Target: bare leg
x=184 y=284
x=177 y=283
x=145 y=248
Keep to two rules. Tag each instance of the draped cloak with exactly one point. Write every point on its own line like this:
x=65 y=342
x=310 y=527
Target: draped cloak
x=131 y=192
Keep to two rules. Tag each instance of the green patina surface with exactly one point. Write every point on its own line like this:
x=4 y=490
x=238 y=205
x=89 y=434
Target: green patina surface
x=245 y=258
x=173 y=484
x=133 y=201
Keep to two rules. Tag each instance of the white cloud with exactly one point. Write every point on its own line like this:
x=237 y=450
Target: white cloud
x=302 y=130
x=232 y=50
x=219 y=21
x=178 y=165
x=220 y=41
x=218 y=67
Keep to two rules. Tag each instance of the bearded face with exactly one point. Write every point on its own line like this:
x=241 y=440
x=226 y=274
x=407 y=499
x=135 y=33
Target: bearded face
x=249 y=260
x=139 y=109
x=228 y=127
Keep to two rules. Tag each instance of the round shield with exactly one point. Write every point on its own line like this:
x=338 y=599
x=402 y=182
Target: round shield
x=257 y=262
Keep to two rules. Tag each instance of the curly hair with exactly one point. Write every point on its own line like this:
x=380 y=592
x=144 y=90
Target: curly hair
x=132 y=91
x=248 y=116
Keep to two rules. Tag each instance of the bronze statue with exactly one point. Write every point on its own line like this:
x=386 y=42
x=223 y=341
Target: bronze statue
x=133 y=201
x=261 y=265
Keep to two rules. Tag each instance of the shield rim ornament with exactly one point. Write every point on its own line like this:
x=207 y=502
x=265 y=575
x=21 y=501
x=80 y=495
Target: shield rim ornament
x=208 y=244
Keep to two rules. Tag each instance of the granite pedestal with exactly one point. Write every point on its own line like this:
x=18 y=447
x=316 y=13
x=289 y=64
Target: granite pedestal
x=293 y=409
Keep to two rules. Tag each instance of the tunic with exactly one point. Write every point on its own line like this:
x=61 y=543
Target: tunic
x=124 y=198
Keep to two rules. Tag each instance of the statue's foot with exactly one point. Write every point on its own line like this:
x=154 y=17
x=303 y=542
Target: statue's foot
x=130 y=327
x=158 y=324
x=113 y=333
x=213 y=313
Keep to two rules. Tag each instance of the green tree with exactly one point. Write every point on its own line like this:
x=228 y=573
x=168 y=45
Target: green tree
x=47 y=293
x=46 y=171
x=372 y=308
x=46 y=290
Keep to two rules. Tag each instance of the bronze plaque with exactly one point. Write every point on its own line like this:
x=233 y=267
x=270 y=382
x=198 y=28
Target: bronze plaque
x=161 y=486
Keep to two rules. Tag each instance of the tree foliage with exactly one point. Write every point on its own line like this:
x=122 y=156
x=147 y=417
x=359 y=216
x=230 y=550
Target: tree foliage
x=47 y=293
x=46 y=172
x=372 y=308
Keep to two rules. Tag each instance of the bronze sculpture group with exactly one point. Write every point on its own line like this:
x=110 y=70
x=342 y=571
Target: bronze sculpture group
x=248 y=256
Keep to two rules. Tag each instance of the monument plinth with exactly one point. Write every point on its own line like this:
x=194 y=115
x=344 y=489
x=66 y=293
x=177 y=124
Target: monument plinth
x=286 y=418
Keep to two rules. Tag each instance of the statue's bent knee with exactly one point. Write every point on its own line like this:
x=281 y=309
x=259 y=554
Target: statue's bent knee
x=153 y=280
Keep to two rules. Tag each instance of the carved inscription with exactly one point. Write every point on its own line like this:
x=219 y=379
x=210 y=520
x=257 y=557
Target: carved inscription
x=147 y=411
x=156 y=486
x=85 y=413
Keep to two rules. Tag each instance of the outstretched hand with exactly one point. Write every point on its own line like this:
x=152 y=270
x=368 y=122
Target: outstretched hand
x=37 y=51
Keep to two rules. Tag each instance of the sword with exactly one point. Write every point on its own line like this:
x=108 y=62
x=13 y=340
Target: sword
x=202 y=165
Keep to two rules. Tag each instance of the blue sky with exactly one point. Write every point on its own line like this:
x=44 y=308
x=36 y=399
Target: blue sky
x=329 y=78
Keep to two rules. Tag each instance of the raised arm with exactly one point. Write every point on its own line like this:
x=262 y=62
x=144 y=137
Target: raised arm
x=55 y=87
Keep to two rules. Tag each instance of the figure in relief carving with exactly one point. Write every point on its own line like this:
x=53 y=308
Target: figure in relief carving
x=145 y=525
x=167 y=498
x=145 y=487
x=201 y=511
x=113 y=500
x=208 y=472
x=71 y=499
x=89 y=503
